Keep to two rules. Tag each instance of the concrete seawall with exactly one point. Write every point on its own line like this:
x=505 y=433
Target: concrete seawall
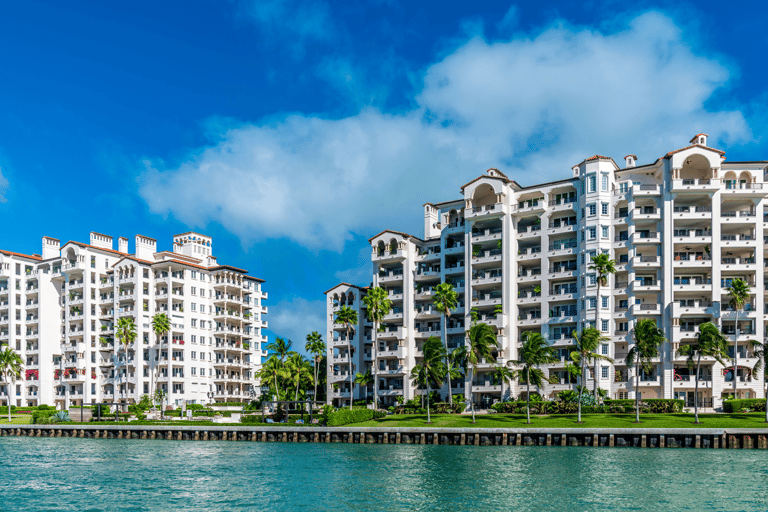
x=640 y=438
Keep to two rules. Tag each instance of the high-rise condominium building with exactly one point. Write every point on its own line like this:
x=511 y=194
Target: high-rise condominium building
x=680 y=230
x=60 y=312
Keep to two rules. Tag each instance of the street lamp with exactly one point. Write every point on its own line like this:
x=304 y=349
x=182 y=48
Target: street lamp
x=210 y=396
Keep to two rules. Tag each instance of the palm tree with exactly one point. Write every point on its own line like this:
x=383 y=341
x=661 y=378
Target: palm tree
x=377 y=306
x=738 y=296
x=10 y=369
x=760 y=352
x=504 y=374
x=273 y=370
x=603 y=265
x=299 y=370
x=710 y=342
x=648 y=338
x=431 y=368
x=126 y=331
x=316 y=347
x=482 y=341
x=348 y=316
x=161 y=325
x=281 y=347
x=534 y=353
x=585 y=347
x=364 y=379
x=445 y=300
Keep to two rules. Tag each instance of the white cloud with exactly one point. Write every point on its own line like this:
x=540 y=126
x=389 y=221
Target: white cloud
x=294 y=23
x=3 y=188
x=533 y=106
x=295 y=318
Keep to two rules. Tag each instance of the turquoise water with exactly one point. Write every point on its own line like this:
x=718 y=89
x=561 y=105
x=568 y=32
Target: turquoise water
x=102 y=474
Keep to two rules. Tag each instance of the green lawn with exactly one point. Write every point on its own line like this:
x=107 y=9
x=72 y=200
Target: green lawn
x=680 y=420
x=18 y=419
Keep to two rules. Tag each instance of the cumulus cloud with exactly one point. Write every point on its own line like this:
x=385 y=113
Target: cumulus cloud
x=295 y=318
x=533 y=105
x=3 y=188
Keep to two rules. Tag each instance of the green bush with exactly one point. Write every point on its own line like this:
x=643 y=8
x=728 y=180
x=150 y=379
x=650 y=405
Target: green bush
x=753 y=404
x=250 y=419
x=43 y=417
x=345 y=416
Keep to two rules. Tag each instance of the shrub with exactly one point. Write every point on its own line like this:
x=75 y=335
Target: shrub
x=42 y=417
x=664 y=405
x=345 y=416
x=752 y=404
x=250 y=419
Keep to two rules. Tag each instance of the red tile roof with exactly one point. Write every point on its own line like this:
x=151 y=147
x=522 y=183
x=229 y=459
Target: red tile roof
x=30 y=257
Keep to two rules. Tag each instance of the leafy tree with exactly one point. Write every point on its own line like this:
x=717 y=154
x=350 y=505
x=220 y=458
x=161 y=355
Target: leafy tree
x=431 y=369
x=126 y=330
x=648 y=338
x=11 y=366
x=482 y=341
x=317 y=348
x=446 y=299
x=710 y=342
x=364 y=379
x=504 y=374
x=585 y=350
x=161 y=325
x=760 y=352
x=738 y=296
x=377 y=306
x=299 y=371
x=281 y=347
x=603 y=266
x=348 y=316
x=534 y=353
x=273 y=370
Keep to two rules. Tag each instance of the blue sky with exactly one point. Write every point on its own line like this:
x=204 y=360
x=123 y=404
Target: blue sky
x=291 y=131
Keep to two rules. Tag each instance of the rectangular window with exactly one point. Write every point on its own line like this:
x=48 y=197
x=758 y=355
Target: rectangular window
x=604 y=326
x=591 y=184
x=194 y=322
x=592 y=302
x=93 y=261
x=193 y=291
x=604 y=301
x=193 y=370
x=604 y=372
x=604 y=233
x=193 y=355
x=202 y=372
x=592 y=209
x=605 y=350
x=591 y=233
x=194 y=274
x=604 y=209
x=605 y=183
x=193 y=306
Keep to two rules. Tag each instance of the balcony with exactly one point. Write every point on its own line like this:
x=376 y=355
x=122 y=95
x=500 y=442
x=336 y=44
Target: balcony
x=646 y=261
x=497 y=209
x=426 y=312
x=646 y=214
x=694 y=186
x=692 y=307
x=738 y=264
x=692 y=284
x=734 y=189
x=529 y=231
x=398 y=353
x=391 y=276
x=737 y=217
x=483 y=235
x=646 y=190
x=391 y=333
x=689 y=212
x=560 y=247
x=566 y=203
x=646 y=309
x=529 y=253
x=491 y=256
x=645 y=237
x=387 y=254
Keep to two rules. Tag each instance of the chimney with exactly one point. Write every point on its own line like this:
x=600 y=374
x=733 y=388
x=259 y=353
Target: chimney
x=630 y=160
x=101 y=241
x=122 y=245
x=145 y=247
x=431 y=224
x=51 y=248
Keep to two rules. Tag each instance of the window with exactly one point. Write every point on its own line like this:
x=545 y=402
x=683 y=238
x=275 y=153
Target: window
x=604 y=209
x=193 y=291
x=591 y=302
x=193 y=370
x=591 y=184
x=604 y=181
x=194 y=322
x=604 y=233
x=591 y=233
x=622 y=326
x=604 y=372
x=93 y=261
x=592 y=209
x=194 y=274
x=194 y=340
x=604 y=301
x=604 y=326
x=604 y=350
x=193 y=306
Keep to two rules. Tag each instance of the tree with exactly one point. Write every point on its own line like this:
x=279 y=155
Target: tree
x=11 y=366
x=648 y=338
x=431 y=369
x=760 y=352
x=273 y=370
x=710 y=342
x=534 y=353
x=348 y=316
x=298 y=370
x=161 y=325
x=603 y=266
x=377 y=306
x=482 y=341
x=504 y=374
x=126 y=331
x=316 y=347
x=738 y=296
x=364 y=379
x=281 y=347
x=585 y=350
x=446 y=299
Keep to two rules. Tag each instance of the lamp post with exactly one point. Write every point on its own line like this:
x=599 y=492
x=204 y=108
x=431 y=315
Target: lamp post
x=210 y=395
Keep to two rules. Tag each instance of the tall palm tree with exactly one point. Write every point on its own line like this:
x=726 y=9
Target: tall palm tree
x=648 y=338
x=760 y=352
x=431 y=368
x=710 y=342
x=273 y=370
x=585 y=350
x=504 y=374
x=126 y=332
x=377 y=306
x=446 y=299
x=738 y=296
x=281 y=347
x=299 y=370
x=348 y=316
x=364 y=379
x=316 y=347
x=482 y=340
x=161 y=325
x=534 y=353
x=11 y=366
x=603 y=266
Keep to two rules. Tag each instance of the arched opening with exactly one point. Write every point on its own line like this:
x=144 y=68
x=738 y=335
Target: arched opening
x=729 y=180
x=380 y=248
x=392 y=246
x=484 y=195
x=745 y=178
x=696 y=167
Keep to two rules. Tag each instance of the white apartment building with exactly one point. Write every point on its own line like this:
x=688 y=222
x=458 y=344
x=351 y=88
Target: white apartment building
x=679 y=228
x=60 y=311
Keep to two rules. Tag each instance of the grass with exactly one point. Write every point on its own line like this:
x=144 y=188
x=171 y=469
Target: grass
x=16 y=419
x=675 y=420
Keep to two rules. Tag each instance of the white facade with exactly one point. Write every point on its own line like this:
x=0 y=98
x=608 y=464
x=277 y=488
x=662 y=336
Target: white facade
x=679 y=230
x=59 y=311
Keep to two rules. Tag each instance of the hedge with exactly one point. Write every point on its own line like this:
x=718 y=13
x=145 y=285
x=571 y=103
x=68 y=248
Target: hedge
x=753 y=404
x=649 y=405
x=345 y=416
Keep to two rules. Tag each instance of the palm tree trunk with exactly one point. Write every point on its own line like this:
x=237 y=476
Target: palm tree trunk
x=597 y=321
x=447 y=359
x=528 y=398
x=735 y=354
x=429 y=390
x=637 y=389
x=471 y=398
x=351 y=384
x=314 y=395
x=374 y=366
x=581 y=388
x=8 y=394
x=696 y=392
